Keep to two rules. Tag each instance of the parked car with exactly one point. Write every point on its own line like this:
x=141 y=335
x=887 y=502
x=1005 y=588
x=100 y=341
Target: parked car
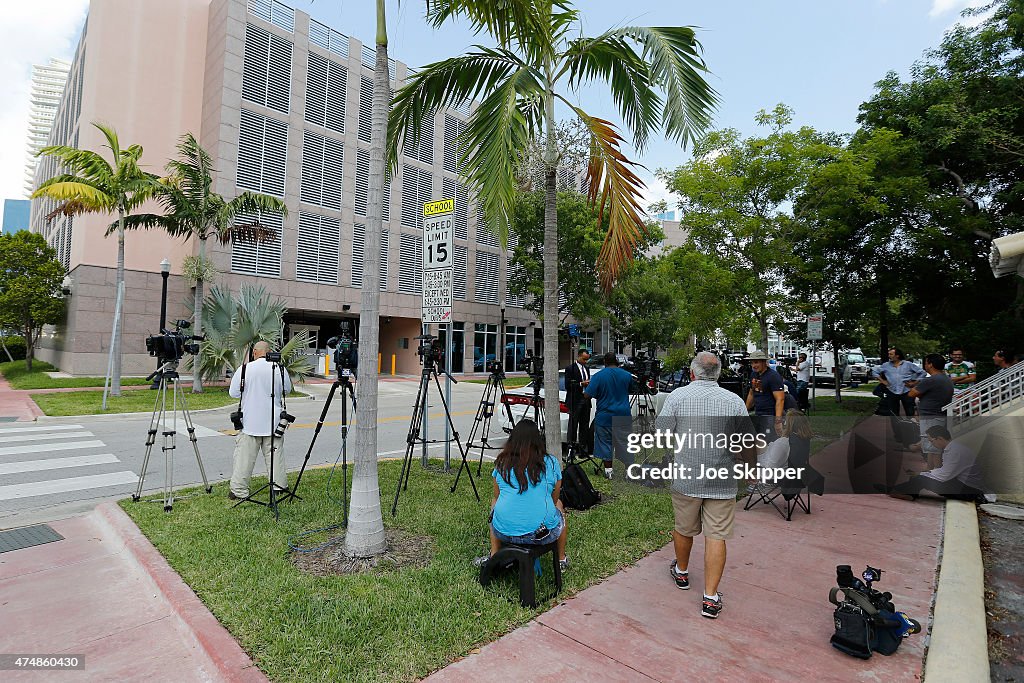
x=520 y=403
x=858 y=365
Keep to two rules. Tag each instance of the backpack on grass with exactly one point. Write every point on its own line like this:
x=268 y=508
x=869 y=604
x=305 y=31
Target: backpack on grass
x=577 y=491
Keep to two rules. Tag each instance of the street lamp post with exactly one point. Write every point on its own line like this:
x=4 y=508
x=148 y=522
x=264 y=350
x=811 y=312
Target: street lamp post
x=165 y=271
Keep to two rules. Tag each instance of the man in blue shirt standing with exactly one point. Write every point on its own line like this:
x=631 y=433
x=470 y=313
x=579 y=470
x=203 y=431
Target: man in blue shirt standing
x=899 y=377
x=767 y=395
x=610 y=387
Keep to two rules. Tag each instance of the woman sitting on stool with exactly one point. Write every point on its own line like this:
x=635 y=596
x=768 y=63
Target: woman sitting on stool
x=525 y=509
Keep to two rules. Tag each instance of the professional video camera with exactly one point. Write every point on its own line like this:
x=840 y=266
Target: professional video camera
x=495 y=368
x=345 y=350
x=430 y=351
x=534 y=365
x=645 y=368
x=866 y=620
x=171 y=345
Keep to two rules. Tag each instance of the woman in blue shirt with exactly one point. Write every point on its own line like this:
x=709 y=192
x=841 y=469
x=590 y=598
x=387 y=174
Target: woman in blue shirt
x=526 y=509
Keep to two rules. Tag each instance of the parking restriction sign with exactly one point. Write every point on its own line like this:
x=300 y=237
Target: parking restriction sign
x=438 y=260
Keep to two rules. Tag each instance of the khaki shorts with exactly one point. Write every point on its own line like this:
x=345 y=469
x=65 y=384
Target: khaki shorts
x=714 y=517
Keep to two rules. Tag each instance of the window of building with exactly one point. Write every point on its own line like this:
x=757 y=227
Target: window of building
x=459 y=272
x=587 y=341
x=328 y=38
x=363 y=185
x=515 y=273
x=358 y=251
x=423 y=147
x=487 y=277
x=262 y=154
x=515 y=347
x=325 y=93
x=485 y=345
x=417 y=187
x=316 y=253
x=483 y=232
x=323 y=161
x=274 y=12
x=267 y=69
x=458 y=344
x=410 y=264
x=259 y=258
x=453 y=128
x=457 y=191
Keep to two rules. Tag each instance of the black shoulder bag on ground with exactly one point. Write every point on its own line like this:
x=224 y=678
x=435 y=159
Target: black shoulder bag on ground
x=577 y=491
x=236 y=417
x=861 y=628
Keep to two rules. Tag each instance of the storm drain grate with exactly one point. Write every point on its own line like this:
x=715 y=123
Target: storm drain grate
x=26 y=537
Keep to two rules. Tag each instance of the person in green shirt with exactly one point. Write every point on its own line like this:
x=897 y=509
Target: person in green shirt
x=960 y=371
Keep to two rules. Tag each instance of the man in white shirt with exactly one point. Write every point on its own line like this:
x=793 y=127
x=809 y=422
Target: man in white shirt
x=959 y=476
x=803 y=380
x=254 y=384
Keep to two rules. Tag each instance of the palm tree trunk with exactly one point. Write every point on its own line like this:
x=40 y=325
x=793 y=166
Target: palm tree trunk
x=552 y=423
x=365 y=534
x=197 y=325
x=115 y=340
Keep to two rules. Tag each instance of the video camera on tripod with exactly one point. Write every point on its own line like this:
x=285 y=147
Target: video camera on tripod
x=646 y=369
x=171 y=345
x=534 y=365
x=430 y=351
x=346 y=354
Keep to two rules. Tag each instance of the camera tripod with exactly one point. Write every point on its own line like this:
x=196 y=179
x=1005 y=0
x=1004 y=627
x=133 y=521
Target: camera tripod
x=167 y=373
x=343 y=381
x=493 y=391
x=413 y=437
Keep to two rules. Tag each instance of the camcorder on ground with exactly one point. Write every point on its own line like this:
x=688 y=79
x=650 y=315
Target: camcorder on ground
x=171 y=345
x=866 y=620
x=346 y=353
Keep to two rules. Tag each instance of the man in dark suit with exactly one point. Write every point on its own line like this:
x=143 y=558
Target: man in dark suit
x=577 y=377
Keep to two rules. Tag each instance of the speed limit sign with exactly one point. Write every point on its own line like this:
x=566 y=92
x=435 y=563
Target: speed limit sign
x=437 y=234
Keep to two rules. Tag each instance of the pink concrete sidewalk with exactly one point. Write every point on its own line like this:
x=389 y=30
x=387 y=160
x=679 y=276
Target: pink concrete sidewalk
x=637 y=626
x=106 y=593
x=16 y=403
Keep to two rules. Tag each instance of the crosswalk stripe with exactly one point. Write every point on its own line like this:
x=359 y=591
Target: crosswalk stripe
x=45 y=447
x=43 y=488
x=57 y=463
x=40 y=437
x=53 y=428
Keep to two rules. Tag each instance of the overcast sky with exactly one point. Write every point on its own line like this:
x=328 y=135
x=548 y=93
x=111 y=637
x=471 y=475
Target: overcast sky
x=821 y=58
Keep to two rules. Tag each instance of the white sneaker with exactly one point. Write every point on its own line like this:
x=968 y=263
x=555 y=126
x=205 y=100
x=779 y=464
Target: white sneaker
x=608 y=472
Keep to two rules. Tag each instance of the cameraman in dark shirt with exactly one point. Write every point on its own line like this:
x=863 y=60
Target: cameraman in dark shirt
x=767 y=395
x=932 y=393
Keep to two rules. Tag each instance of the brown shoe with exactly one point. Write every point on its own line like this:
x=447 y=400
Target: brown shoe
x=232 y=496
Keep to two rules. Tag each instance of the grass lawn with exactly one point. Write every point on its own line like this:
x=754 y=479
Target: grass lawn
x=510 y=382
x=20 y=378
x=388 y=625
x=132 y=401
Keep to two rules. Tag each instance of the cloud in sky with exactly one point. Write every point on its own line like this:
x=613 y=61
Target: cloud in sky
x=29 y=34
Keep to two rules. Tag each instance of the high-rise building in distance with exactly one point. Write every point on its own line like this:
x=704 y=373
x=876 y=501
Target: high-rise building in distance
x=48 y=82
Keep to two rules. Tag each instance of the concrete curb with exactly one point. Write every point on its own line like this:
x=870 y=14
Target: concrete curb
x=959 y=641
x=217 y=644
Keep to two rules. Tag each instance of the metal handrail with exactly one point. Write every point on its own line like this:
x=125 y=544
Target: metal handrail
x=985 y=397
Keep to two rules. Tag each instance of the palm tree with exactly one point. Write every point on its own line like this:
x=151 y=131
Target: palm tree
x=89 y=184
x=519 y=82
x=364 y=536
x=193 y=209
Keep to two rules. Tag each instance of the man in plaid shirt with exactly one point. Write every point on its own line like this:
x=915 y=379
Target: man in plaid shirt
x=704 y=503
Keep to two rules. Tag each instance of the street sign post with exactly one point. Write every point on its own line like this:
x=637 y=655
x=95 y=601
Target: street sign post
x=815 y=323
x=436 y=307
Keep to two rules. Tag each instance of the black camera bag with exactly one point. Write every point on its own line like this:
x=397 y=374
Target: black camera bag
x=577 y=491
x=861 y=628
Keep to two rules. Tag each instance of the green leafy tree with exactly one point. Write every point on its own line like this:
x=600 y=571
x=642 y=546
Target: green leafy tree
x=735 y=198
x=706 y=295
x=30 y=282
x=91 y=184
x=193 y=210
x=238 y=322
x=646 y=305
x=540 y=58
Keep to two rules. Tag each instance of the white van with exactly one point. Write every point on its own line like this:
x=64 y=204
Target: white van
x=822 y=370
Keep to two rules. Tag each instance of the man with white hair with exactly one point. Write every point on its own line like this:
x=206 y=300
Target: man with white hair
x=704 y=504
x=254 y=384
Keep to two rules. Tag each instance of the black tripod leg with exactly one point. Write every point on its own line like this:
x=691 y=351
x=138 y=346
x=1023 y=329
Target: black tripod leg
x=316 y=433
x=410 y=440
x=455 y=433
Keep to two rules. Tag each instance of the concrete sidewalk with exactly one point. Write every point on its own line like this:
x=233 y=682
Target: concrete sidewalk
x=106 y=593
x=637 y=626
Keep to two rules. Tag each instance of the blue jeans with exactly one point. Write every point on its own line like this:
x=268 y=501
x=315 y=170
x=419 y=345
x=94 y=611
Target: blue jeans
x=530 y=538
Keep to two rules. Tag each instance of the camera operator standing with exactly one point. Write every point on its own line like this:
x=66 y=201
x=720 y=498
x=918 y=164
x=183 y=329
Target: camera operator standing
x=254 y=384
x=611 y=389
x=577 y=377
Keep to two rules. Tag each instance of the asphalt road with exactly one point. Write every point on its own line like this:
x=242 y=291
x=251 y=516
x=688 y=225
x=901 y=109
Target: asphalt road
x=59 y=466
